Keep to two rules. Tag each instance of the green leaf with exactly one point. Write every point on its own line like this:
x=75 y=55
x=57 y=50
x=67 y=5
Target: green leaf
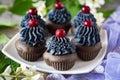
x=21 y=6
x=3 y=8
x=3 y=39
x=106 y=13
x=108 y=1
x=50 y=2
x=72 y=6
x=2 y=56
x=4 y=62
x=7 y=25
x=14 y=65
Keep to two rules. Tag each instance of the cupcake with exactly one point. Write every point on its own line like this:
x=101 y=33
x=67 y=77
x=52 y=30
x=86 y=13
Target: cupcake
x=82 y=15
x=32 y=14
x=60 y=53
x=58 y=18
x=87 y=40
x=31 y=44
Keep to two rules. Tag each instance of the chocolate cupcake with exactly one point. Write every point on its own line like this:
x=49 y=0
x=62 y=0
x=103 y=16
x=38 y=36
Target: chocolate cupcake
x=60 y=52
x=32 y=41
x=82 y=15
x=58 y=18
x=32 y=14
x=87 y=40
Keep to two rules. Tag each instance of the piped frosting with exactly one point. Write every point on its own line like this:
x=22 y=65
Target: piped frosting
x=59 y=16
x=60 y=46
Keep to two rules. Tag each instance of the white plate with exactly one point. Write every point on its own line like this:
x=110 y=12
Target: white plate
x=79 y=67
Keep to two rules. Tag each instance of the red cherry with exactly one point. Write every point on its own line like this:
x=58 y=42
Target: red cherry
x=60 y=33
x=33 y=22
x=58 y=5
x=88 y=23
x=85 y=9
x=32 y=11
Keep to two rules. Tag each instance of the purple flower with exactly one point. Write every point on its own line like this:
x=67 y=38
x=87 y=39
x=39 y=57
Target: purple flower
x=112 y=26
x=112 y=69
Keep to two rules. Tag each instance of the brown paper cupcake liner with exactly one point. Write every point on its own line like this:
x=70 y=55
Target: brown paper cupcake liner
x=52 y=27
x=86 y=56
x=29 y=53
x=47 y=62
x=62 y=66
x=29 y=57
x=88 y=53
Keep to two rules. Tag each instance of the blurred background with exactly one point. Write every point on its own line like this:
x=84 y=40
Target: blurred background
x=12 y=11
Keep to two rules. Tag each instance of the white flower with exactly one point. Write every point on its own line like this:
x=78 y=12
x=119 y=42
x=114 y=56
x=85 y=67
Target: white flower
x=37 y=77
x=1 y=78
x=99 y=17
x=7 y=70
x=40 y=6
x=19 y=70
x=99 y=69
x=33 y=68
x=7 y=73
x=28 y=72
x=82 y=2
x=92 y=3
x=23 y=66
x=25 y=79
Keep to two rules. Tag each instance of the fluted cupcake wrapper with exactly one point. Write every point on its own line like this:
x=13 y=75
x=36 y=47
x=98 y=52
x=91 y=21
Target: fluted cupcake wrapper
x=52 y=27
x=29 y=57
x=62 y=66
x=88 y=53
x=29 y=53
x=47 y=62
x=86 y=56
x=60 y=62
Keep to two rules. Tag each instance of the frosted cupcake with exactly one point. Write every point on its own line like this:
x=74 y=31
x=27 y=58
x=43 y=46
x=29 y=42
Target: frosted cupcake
x=60 y=52
x=82 y=15
x=58 y=18
x=32 y=14
x=87 y=40
x=32 y=41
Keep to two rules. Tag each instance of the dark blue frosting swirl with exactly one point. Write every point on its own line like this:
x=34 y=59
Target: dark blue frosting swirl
x=60 y=46
x=34 y=36
x=59 y=16
x=80 y=17
x=27 y=17
x=87 y=36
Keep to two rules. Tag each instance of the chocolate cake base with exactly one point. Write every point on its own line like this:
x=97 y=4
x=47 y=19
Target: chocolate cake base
x=52 y=27
x=87 y=53
x=29 y=53
x=62 y=62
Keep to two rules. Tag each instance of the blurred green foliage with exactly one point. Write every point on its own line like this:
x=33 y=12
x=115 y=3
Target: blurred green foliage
x=4 y=62
x=21 y=6
x=3 y=39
